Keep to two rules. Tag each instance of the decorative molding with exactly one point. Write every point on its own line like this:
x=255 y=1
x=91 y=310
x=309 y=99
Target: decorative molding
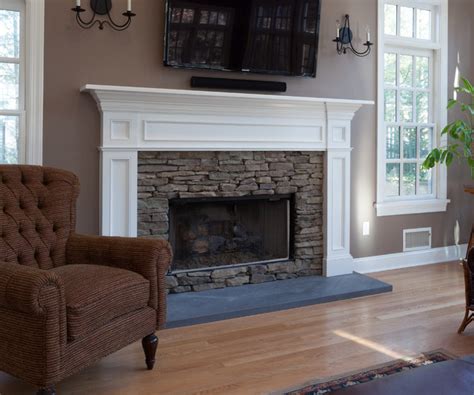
x=147 y=119
x=373 y=264
x=34 y=81
x=404 y=207
x=119 y=193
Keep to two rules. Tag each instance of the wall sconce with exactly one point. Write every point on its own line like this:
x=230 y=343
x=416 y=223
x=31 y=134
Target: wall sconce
x=344 y=39
x=102 y=7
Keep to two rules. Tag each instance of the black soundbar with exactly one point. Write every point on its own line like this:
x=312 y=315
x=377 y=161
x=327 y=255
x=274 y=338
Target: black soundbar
x=238 y=85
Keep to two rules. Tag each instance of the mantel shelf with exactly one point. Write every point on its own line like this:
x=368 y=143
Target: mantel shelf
x=106 y=91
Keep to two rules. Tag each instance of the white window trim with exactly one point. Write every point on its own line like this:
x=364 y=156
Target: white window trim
x=439 y=202
x=34 y=77
x=31 y=79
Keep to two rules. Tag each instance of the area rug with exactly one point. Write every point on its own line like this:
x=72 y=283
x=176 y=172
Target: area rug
x=319 y=387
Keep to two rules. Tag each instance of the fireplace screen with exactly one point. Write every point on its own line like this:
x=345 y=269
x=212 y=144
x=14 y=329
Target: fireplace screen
x=206 y=233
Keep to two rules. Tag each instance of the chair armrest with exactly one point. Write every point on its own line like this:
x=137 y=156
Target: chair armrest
x=29 y=289
x=150 y=258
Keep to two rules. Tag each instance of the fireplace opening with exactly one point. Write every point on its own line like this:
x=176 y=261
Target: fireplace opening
x=218 y=232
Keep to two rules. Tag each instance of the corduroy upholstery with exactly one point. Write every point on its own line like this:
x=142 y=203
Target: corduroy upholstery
x=68 y=300
x=110 y=293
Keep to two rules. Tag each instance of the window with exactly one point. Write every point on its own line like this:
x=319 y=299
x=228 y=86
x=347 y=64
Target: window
x=21 y=80
x=412 y=84
x=11 y=83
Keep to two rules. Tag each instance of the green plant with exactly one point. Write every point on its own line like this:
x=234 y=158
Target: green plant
x=460 y=133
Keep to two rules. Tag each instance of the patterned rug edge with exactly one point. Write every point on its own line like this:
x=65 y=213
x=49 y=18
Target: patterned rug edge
x=360 y=371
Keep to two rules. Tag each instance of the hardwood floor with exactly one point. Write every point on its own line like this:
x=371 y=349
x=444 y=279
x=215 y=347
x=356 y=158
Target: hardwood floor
x=271 y=352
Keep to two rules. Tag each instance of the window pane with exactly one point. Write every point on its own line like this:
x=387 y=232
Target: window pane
x=406 y=22
x=9 y=34
x=9 y=139
x=409 y=143
x=406 y=106
x=409 y=179
x=390 y=70
x=188 y=16
x=9 y=86
x=392 y=181
x=390 y=105
x=406 y=70
x=426 y=141
x=422 y=107
x=426 y=182
x=393 y=142
x=423 y=24
x=390 y=23
x=422 y=72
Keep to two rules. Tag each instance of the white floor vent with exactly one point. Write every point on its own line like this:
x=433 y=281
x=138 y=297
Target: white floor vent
x=416 y=239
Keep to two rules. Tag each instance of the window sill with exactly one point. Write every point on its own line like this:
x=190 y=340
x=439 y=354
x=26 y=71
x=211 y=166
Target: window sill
x=406 y=207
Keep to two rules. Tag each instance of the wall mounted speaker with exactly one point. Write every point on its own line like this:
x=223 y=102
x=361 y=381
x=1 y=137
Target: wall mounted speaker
x=237 y=85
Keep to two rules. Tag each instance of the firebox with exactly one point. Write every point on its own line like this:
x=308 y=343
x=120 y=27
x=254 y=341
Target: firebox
x=219 y=232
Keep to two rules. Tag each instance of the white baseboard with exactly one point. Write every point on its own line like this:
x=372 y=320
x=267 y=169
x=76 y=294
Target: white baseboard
x=372 y=264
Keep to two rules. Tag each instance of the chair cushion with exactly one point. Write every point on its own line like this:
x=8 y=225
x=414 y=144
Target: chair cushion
x=95 y=295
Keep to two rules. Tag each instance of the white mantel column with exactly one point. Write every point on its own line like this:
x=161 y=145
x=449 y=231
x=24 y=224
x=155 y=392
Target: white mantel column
x=337 y=257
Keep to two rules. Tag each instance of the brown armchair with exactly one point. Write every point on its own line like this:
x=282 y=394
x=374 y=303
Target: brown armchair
x=67 y=300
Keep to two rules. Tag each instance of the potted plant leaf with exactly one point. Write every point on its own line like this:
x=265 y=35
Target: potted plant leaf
x=460 y=134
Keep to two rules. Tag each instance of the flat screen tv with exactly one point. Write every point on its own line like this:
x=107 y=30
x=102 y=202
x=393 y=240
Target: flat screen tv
x=255 y=36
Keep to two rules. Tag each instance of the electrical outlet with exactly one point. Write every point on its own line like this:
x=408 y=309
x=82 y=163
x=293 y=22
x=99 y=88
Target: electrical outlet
x=366 y=228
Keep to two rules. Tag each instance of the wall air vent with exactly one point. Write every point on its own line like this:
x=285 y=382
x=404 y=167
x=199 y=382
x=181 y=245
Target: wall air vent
x=416 y=239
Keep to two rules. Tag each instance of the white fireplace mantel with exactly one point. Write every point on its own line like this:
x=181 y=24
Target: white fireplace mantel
x=149 y=119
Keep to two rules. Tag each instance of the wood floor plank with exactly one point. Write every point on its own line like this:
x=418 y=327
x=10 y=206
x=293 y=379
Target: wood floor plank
x=270 y=352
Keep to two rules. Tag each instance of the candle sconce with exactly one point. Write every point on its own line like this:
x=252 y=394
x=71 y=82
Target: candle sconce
x=101 y=8
x=344 y=39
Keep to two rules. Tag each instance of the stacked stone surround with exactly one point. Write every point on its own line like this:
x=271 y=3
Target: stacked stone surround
x=170 y=175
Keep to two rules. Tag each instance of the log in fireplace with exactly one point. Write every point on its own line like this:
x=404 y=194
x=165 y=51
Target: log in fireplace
x=223 y=232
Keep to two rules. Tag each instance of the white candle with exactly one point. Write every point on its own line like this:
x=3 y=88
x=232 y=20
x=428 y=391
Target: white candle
x=78 y=3
x=368 y=34
x=129 y=5
x=338 y=28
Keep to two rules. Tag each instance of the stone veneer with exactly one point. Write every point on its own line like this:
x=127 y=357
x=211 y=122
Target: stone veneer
x=169 y=175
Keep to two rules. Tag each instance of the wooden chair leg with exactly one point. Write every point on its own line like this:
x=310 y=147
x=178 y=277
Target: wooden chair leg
x=466 y=321
x=150 y=344
x=46 y=391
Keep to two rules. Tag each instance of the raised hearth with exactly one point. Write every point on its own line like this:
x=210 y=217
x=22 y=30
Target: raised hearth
x=159 y=120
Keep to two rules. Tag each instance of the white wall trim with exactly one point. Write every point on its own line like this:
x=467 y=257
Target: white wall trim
x=149 y=119
x=405 y=207
x=373 y=264
x=34 y=81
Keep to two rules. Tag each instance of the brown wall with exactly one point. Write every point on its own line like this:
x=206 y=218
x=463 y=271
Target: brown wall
x=75 y=57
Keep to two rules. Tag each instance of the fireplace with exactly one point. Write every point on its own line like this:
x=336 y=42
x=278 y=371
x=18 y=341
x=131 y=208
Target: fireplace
x=233 y=217
x=223 y=232
x=147 y=120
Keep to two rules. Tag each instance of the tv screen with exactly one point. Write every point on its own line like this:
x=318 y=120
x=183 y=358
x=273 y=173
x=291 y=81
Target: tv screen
x=255 y=36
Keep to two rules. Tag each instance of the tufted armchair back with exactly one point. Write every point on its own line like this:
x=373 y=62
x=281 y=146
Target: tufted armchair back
x=37 y=214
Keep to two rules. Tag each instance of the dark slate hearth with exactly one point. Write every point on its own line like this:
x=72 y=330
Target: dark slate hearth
x=220 y=304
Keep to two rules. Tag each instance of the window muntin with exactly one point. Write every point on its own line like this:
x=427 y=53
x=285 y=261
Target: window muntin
x=11 y=81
